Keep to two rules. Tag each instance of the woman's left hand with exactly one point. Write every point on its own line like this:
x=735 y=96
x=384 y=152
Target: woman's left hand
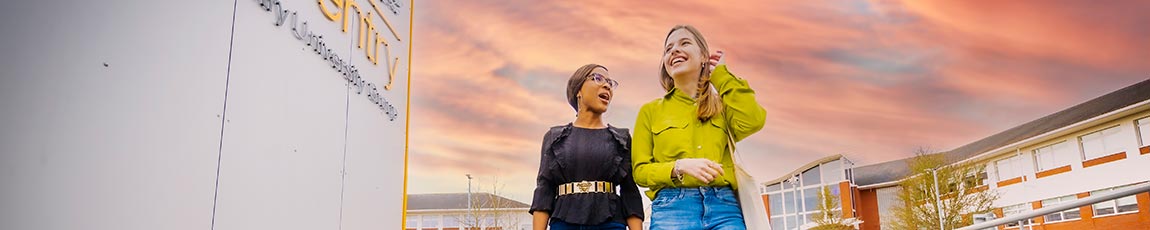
x=715 y=60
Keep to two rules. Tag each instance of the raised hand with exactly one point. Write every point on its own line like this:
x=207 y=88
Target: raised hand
x=715 y=60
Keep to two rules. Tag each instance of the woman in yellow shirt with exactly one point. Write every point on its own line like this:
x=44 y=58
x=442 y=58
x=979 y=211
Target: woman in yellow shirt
x=679 y=149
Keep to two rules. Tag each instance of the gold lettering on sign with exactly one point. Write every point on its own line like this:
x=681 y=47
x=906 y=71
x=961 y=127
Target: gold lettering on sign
x=367 y=36
x=328 y=14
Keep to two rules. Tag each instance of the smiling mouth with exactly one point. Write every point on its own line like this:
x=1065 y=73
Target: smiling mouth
x=678 y=59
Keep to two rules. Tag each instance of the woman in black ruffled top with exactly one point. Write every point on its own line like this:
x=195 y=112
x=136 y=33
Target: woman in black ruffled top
x=585 y=179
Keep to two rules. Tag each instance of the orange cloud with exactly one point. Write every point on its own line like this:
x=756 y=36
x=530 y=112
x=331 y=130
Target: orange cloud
x=871 y=79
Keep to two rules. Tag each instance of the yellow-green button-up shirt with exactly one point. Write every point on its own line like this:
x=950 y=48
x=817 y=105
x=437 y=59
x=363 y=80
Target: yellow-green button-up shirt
x=669 y=129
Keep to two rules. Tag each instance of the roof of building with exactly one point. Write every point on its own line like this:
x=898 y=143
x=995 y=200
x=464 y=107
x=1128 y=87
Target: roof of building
x=458 y=201
x=810 y=165
x=882 y=172
x=1131 y=95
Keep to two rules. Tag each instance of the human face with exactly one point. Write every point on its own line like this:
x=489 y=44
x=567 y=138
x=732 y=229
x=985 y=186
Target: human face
x=682 y=55
x=597 y=91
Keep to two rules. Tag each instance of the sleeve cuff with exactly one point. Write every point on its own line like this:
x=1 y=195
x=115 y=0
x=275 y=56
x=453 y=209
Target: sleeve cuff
x=721 y=76
x=637 y=214
x=532 y=211
x=662 y=173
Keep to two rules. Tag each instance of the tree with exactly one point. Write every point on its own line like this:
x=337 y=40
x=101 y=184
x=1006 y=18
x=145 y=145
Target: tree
x=491 y=211
x=960 y=193
x=827 y=217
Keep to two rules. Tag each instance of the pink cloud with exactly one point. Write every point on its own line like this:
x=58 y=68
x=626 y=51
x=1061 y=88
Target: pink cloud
x=871 y=79
x=1104 y=35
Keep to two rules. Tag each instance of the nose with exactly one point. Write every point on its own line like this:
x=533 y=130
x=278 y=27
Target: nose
x=676 y=51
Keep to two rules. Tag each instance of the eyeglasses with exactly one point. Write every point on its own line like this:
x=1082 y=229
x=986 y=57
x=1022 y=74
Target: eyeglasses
x=599 y=78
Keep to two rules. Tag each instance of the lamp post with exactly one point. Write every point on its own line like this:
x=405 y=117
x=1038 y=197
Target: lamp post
x=937 y=199
x=469 y=216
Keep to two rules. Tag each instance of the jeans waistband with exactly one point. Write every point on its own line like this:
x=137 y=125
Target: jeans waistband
x=674 y=191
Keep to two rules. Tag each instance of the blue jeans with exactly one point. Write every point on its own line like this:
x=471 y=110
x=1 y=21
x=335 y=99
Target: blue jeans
x=557 y=224
x=703 y=208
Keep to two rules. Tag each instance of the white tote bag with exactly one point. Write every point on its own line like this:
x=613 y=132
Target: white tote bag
x=750 y=201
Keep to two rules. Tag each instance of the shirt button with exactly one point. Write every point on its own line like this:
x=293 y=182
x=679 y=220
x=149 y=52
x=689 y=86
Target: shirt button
x=700 y=147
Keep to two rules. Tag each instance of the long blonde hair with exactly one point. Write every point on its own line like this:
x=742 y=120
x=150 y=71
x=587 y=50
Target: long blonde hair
x=710 y=103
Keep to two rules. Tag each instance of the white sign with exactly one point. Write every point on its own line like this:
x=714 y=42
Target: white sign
x=248 y=114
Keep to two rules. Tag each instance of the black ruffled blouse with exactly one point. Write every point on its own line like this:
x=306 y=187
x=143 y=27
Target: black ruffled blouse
x=573 y=154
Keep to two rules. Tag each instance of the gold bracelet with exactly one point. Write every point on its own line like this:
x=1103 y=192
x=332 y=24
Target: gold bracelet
x=677 y=179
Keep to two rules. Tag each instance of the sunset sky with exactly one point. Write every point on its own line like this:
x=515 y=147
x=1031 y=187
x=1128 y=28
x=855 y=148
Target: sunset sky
x=872 y=80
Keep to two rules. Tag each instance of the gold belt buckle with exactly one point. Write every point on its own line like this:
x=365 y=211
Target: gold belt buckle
x=583 y=186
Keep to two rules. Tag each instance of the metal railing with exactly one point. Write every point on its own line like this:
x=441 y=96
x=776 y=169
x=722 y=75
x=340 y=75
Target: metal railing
x=1135 y=189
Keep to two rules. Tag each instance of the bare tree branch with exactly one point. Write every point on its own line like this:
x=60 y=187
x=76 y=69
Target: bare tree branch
x=960 y=193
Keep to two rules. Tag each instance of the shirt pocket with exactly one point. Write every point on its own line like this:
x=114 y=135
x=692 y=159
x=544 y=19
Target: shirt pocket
x=718 y=124
x=716 y=134
x=671 y=137
x=669 y=126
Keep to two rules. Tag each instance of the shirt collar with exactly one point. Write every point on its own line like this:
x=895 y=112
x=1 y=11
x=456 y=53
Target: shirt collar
x=621 y=137
x=679 y=95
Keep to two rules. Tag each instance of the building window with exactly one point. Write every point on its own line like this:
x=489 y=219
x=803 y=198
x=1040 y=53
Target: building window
x=412 y=222
x=789 y=199
x=1052 y=156
x=833 y=172
x=777 y=223
x=778 y=211
x=451 y=222
x=774 y=187
x=811 y=198
x=794 y=201
x=776 y=203
x=977 y=177
x=834 y=189
x=489 y=220
x=811 y=177
x=430 y=222
x=1101 y=143
x=1065 y=215
x=850 y=174
x=1127 y=204
x=1143 y=131
x=1015 y=210
x=786 y=208
x=1008 y=168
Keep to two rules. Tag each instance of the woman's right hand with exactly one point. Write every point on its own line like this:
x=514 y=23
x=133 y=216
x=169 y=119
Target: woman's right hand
x=703 y=169
x=715 y=59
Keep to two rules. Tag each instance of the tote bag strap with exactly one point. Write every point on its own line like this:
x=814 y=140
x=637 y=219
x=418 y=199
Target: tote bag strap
x=731 y=145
